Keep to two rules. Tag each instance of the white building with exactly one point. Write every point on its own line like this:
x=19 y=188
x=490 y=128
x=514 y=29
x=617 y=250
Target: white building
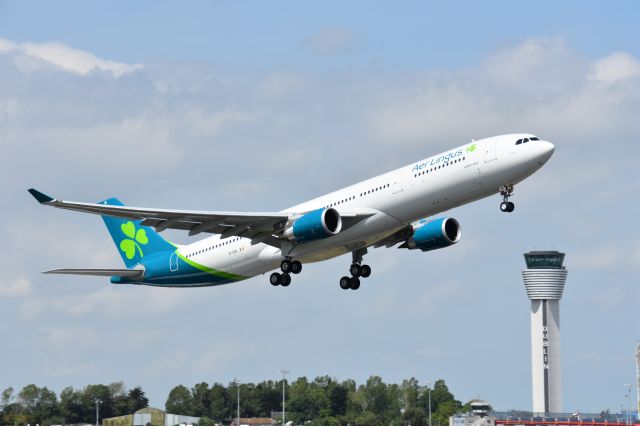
x=544 y=281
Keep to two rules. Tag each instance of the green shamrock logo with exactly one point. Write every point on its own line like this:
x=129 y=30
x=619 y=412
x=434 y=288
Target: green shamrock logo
x=135 y=238
x=471 y=148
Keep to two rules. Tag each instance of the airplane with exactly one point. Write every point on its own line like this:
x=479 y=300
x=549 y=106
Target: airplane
x=391 y=209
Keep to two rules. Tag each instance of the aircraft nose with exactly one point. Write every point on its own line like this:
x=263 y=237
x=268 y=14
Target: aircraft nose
x=546 y=150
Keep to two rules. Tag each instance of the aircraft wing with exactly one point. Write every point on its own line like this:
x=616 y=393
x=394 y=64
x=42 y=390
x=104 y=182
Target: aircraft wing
x=395 y=238
x=258 y=226
x=132 y=274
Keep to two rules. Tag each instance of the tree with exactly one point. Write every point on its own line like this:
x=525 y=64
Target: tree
x=136 y=400
x=71 y=407
x=6 y=397
x=40 y=405
x=92 y=393
x=180 y=401
x=201 y=399
x=221 y=403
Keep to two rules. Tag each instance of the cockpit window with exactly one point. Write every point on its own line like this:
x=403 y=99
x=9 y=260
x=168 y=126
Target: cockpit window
x=525 y=140
x=519 y=141
x=534 y=138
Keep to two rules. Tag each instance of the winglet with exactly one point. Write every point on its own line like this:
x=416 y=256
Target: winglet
x=42 y=198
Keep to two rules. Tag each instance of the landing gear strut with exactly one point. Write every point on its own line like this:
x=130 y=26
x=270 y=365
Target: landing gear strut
x=506 y=206
x=287 y=267
x=357 y=270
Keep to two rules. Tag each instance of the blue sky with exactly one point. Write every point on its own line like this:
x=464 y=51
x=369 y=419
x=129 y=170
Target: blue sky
x=221 y=105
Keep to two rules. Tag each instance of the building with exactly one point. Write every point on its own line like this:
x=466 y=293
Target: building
x=544 y=281
x=254 y=421
x=480 y=415
x=150 y=417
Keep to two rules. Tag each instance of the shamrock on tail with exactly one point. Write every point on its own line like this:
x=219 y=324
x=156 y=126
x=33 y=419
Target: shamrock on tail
x=135 y=238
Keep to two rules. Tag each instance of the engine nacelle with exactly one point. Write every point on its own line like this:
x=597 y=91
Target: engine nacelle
x=434 y=235
x=314 y=225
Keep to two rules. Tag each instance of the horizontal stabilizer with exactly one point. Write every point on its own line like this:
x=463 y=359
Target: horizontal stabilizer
x=132 y=274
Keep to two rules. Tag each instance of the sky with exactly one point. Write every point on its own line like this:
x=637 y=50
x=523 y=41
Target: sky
x=257 y=106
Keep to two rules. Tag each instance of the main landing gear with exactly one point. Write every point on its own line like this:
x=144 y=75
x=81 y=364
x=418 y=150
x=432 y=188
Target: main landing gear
x=287 y=267
x=357 y=270
x=506 y=206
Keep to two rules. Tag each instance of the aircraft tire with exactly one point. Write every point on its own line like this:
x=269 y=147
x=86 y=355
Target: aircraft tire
x=345 y=283
x=274 y=279
x=286 y=266
x=296 y=267
x=510 y=207
x=355 y=283
x=355 y=270
x=285 y=280
x=365 y=271
x=504 y=207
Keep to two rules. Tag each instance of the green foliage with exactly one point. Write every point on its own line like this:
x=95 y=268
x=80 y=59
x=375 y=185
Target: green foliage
x=180 y=401
x=321 y=402
x=206 y=421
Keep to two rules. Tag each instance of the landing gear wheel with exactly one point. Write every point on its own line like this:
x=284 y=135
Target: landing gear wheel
x=296 y=267
x=345 y=283
x=285 y=280
x=365 y=271
x=355 y=283
x=355 y=270
x=286 y=266
x=506 y=206
x=274 y=279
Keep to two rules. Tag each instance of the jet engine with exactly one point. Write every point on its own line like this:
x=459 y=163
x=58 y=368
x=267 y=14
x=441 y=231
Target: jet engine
x=314 y=225
x=437 y=234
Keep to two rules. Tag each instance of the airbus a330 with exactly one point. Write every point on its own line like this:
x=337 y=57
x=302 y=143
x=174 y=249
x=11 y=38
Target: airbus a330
x=388 y=210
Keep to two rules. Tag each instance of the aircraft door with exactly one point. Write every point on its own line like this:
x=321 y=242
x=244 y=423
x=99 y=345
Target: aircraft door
x=489 y=150
x=173 y=262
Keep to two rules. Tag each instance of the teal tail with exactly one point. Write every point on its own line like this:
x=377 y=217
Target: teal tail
x=134 y=241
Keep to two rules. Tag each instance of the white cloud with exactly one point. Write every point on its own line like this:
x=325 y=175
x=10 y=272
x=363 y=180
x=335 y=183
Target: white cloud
x=14 y=286
x=615 y=67
x=67 y=58
x=332 y=40
x=609 y=255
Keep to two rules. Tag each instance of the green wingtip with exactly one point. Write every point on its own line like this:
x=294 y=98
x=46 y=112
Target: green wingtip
x=42 y=198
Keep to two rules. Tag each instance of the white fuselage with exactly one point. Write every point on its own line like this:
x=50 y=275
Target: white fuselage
x=393 y=200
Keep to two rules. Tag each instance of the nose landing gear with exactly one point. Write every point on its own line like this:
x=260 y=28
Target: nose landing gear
x=506 y=206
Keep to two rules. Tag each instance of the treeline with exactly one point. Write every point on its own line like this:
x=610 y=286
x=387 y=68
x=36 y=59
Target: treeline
x=323 y=401
x=39 y=405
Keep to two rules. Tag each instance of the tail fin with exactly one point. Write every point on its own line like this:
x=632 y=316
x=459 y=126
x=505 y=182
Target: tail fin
x=134 y=241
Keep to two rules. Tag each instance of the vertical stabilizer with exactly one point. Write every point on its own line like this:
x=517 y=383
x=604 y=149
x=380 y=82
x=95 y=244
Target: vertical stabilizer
x=134 y=241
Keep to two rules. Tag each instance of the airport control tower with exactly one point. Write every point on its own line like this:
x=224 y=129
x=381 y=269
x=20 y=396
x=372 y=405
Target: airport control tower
x=544 y=281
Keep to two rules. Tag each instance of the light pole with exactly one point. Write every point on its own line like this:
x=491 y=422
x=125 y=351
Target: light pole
x=629 y=399
x=284 y=380
x=98 y=402
x=429 y=389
